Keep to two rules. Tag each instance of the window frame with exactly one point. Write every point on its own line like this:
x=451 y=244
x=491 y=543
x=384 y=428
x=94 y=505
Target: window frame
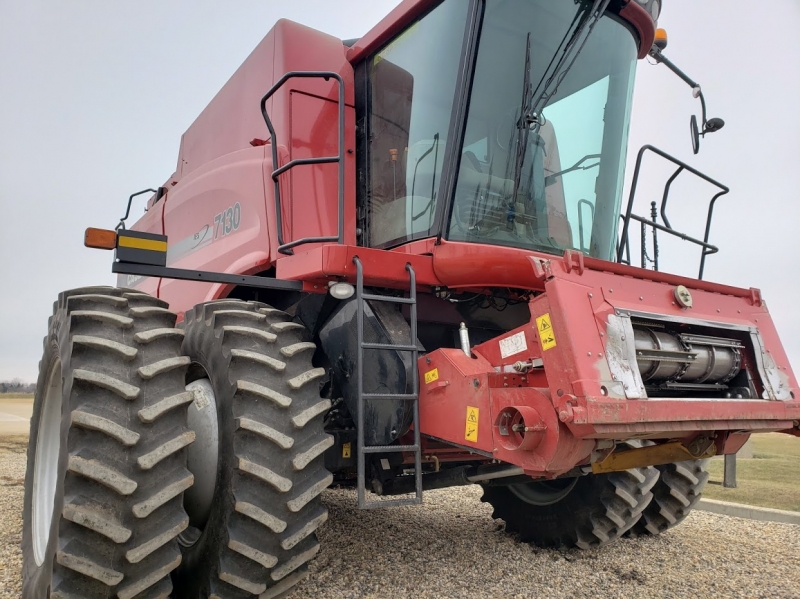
x=455 y=134
x=455 y=131
x=442 y=225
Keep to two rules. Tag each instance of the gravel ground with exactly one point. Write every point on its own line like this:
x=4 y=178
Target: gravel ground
x=451 y=547
x=12 y=482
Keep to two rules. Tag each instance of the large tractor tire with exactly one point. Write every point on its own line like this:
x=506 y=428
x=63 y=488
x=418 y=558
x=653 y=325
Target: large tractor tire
x=583 y=512
x=677 y=491
x=106 y=460
x=254 y=521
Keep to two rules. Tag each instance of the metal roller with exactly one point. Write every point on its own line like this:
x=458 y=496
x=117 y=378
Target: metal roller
x=665 y=357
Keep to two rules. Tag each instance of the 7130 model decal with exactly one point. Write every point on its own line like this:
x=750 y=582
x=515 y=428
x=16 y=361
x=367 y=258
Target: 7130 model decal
x=227 y=221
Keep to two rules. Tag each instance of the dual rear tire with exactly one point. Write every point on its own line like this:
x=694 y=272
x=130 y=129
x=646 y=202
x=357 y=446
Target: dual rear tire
x=594 y=510
x=106 y=462
x=256 y=531
x=104 y=510
x=679 y=488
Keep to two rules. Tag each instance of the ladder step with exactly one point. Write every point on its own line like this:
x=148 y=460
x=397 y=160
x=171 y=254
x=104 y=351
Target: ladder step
x=389 y=298
x=389 y=396
x=389 y=448
x=362 y=346
x=372 y=505
x=389 y=346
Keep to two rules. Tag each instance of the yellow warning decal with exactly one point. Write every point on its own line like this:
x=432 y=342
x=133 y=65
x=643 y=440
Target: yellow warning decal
x=546 y=334
x=142 y=244
x=346 y=447
x=471 y=432
x=431 y=375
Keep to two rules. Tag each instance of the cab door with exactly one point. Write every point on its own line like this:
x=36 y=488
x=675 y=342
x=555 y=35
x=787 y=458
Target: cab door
x=412 y=95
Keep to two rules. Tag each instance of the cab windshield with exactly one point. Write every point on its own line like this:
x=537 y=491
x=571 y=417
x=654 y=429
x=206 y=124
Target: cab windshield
x=550 y=181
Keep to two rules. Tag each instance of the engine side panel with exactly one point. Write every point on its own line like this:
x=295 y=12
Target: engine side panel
x=219 y=212
x=213 y=218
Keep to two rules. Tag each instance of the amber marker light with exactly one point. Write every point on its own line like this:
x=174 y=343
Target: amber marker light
x=101 y=239
x=660 y=41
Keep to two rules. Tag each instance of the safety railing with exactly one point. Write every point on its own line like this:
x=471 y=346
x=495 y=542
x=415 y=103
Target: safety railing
x=286 y=248
x=624 y=245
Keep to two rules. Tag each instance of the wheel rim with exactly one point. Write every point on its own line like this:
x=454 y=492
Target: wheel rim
x=202 y=458
x=45 y=469
x=545 y=492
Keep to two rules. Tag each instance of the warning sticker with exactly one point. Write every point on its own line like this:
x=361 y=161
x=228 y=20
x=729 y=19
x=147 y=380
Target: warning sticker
x=546 y=334
x=431 y=375
x=471 y=432
x=513 y=345
x=346 y=449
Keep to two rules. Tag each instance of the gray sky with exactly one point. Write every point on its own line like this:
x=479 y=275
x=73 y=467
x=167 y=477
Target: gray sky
x=96 y=94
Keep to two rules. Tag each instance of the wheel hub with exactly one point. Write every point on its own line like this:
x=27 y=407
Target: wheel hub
x=45 y=469
x=545 y=492
x=203 y=454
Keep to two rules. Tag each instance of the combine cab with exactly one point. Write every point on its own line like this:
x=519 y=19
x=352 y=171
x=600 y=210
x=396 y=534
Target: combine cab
x=399 y=263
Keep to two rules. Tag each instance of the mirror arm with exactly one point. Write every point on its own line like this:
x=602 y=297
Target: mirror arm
x=708 y=126
x=659 y=57
x=703 y=105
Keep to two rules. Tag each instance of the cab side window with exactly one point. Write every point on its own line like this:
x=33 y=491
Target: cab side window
x=412 y=87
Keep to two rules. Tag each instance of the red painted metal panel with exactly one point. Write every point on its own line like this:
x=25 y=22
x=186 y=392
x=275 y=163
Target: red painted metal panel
x=233 y=117
x=335 y=262
x=450 y=384
x=643 y=23
x=298 y=48
x=570 y=407
x=460 y=264
x=665 y=277
x=310 y=205
x=215 y=218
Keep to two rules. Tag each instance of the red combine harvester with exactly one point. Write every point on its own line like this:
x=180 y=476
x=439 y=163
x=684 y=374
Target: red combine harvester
x=394 y=263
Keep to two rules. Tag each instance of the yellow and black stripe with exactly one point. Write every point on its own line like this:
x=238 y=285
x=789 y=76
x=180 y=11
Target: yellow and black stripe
x=141 y=248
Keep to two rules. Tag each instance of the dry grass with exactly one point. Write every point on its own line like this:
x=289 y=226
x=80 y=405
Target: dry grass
x=16 y=396
x=770 y=479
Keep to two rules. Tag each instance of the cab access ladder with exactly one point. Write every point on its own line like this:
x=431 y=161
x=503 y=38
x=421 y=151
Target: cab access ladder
x=364 y=450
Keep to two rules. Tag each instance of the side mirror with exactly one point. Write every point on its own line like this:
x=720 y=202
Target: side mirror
x=714 y=125
x=695 y=134
x=710 y=126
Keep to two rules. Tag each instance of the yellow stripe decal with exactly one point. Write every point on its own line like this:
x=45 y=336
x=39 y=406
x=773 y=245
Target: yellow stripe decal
x=142 y=244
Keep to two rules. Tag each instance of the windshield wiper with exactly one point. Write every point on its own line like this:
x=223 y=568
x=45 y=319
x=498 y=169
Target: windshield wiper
x=550 y=179
x=568 y=57
x=523 y=129
x=529 y=108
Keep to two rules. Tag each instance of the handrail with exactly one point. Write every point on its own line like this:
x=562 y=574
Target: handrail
x=708 y=249
x=159 y=194
x=286 y=248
